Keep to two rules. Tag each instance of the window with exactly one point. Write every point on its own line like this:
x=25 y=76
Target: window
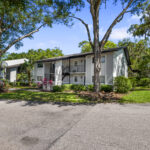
x=40 y=65
x=75 y=79
x=102 y=79
x=103 y=59
x=39 y=78
x=75 y=63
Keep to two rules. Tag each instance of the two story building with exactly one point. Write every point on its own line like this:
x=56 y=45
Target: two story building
x=79 y=68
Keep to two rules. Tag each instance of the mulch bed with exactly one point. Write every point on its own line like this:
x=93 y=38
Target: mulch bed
x=103 y=96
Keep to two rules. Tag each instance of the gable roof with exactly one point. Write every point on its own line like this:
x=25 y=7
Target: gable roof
x=14 y=63
x=86 y=54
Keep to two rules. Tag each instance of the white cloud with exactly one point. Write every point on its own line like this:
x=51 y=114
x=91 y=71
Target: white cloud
x=135 y=17
x=119 y=33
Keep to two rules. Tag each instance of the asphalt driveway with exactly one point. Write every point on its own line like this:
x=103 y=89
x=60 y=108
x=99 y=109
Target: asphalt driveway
x=78 y=127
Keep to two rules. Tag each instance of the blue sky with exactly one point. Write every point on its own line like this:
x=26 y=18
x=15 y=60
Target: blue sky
x=68 y=38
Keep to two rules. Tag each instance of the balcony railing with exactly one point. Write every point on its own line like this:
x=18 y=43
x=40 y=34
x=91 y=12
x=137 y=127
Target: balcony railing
x=78 y=68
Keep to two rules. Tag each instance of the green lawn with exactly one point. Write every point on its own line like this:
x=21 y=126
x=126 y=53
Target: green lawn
x=139 y=95
x=43 y=97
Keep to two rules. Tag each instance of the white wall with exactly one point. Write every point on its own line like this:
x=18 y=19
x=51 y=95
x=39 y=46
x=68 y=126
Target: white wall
x=58 y=72
x=90 y=68
x=13 y=74
x=120 y=67
x=37 y=72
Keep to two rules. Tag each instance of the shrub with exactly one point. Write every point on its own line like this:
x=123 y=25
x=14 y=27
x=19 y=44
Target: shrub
x=34 y=85
x=133 y=81
x=122 y=84
x=90 y=88
x=78 y=87
x=4 y=85
x=66 y=87
x=57 y=88
x=106 y=88
x=144 y=82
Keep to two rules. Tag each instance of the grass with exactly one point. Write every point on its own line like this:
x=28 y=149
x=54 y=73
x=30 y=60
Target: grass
x=43 y=97
x=139 y=95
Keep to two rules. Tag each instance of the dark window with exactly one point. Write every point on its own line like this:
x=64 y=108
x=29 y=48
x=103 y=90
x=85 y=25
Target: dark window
x=75 y=79
x=40 y=65
x=75 y=63
x=52 y=68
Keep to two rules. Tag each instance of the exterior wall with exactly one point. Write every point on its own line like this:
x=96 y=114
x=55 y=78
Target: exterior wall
x=115 y=64
x=58 y=72
x=13 y=74
x=109 y=68
x=37 y=72
x=120 y=67
x=90 y=69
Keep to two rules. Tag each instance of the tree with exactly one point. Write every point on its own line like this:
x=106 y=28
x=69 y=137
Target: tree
x=20 y=19
x=139 y=52
x=86 y=47
x=131 y=6
x=142 y=29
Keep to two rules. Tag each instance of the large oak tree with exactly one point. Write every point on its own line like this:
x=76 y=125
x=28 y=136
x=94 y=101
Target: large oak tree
x=20 y=19
x=128 y=6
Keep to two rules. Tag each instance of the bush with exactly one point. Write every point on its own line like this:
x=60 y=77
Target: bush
x=133 y=81
x=106 y=88
x=78 y=87
x=66 y=87
x=90 y=88
x=34 y=85
x=57 y=88
x=122 y=84
x=4 y=85
x=144 y=82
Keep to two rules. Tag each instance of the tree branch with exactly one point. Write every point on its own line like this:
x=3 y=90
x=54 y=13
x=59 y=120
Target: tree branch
x=19 y=39
x=118 y=19
x=87 y=28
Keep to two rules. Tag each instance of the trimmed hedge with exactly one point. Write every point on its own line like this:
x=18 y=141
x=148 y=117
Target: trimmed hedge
x=106 y=88
x=78 y=87
x=57 y=88
x=122 y=84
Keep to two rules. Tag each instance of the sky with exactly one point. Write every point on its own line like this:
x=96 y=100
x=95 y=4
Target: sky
x=68 y=38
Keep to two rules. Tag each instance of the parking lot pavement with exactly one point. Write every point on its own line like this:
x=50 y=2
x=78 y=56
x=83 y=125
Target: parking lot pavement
x=78 y=127
x=27 y=127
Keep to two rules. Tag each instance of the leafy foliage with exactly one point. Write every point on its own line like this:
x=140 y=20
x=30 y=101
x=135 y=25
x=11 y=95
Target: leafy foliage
x=142 y=29
x=78 y=87
x=145 y=82
x=57 y=88
x=86 y=47
x=106 y=88
x=122 y=84
x=139 y=52
x=21 y=18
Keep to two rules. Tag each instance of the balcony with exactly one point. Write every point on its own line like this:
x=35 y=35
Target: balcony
x=74 y=69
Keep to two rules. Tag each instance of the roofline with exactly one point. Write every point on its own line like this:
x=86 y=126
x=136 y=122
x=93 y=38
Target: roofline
x=80 y=55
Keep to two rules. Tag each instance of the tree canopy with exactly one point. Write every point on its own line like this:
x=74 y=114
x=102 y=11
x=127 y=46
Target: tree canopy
x=139 y=52
x=86 y=47
x=20 y=19
x=142 y=29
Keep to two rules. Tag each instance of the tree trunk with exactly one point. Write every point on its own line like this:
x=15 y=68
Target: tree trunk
x=29 y=78
x=96 y=48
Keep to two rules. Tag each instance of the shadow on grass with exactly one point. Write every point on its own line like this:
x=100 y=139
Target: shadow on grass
x=35 y=98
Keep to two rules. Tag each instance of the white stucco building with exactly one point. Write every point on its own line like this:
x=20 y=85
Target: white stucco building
x=10 y=68
x=79 y=68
